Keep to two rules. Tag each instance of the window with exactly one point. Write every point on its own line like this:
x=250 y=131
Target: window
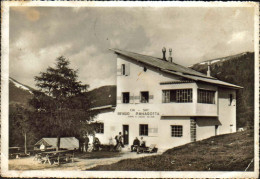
x=144 y=97
x=143 y=129
x=125 y=97
x=100 y=128
x=176 y=131
x=230 y=99
x=177 y=96
x=123 y=69
x=206 y=96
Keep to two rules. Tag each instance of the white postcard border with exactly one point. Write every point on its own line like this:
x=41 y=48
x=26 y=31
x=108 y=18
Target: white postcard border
x=121 y=174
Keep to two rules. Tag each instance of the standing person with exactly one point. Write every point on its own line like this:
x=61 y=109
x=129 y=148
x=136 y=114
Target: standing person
x=81 y=144
x=121 y=140
x=86 y=142
x=118 y=139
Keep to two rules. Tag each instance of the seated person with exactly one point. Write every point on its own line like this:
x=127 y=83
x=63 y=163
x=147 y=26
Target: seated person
x=142 y=146
x=142 y=142
x=136 y=144
x=96 y=144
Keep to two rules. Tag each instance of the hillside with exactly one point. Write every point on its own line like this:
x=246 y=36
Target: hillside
x=237 y=69
x=229 y=152
x=19 y=93
x=102 y=96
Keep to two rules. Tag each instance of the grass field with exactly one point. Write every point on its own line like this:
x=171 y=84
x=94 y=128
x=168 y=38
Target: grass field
x=229 y=152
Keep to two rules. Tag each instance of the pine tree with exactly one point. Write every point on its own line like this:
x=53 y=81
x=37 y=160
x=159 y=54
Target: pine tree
x=62 y=109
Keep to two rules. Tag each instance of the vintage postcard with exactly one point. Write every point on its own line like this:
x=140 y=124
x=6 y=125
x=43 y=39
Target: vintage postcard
x=130 y=89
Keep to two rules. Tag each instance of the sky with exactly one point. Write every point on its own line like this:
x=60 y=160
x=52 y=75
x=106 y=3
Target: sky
x=38 y=35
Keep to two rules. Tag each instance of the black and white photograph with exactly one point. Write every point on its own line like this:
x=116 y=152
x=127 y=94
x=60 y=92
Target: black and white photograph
x=130 y=89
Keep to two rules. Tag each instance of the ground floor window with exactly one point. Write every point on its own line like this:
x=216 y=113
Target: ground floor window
x=177 y=96
x=144 y=97
x=143 y=129
x=177 y=130
x=206 y=96
x=125 y=97
x=100 y=128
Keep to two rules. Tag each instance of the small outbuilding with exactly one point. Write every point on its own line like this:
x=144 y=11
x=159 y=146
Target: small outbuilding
x=69 y=143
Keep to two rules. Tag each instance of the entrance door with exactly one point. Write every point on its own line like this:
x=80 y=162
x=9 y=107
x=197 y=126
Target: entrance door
x=216 y=129
x=126 y=134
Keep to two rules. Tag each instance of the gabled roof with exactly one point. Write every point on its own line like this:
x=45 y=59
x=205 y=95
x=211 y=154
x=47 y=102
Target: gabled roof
x=173 y=68
x=159 y=63
x=65 y=142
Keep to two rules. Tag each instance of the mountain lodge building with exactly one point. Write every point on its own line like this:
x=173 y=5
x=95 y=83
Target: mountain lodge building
x=165 y=103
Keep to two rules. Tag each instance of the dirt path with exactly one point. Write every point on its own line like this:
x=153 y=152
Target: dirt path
x=78 y=164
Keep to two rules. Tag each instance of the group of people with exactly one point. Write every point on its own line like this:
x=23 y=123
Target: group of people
x=84 y=144
x=137 y=144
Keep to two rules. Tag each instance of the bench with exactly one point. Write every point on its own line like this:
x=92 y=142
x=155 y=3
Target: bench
x=55 y=158
x=151 y=149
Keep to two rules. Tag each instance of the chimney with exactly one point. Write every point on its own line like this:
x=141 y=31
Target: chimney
x=208 y=72
x=164 y=53
x=170 y=55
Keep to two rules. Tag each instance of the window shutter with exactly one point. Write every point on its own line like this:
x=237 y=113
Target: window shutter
x=137 y=99
x=127 y=69
x=119 y=99
x=119 y=70
x=132 y=99
x=150 y=98
x=153 y=130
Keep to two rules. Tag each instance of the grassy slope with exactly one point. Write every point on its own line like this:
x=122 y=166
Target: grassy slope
x=229 y=152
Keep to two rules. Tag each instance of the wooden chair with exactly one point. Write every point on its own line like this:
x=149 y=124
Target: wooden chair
x=152 y=148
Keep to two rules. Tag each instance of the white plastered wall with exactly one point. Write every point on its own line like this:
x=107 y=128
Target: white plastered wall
x=227 y=111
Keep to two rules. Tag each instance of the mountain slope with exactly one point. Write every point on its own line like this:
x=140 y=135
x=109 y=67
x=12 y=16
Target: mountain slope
x=102 y=96
x=237 y=69
x=19 y=93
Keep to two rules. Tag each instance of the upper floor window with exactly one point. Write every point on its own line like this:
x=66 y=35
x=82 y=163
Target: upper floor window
x=206 y=96
x=100 y=128
x=143 y=129
x=123 y=69
x=176 y=131
x=230 y=99
x=144 y=97
x=125 y=97
x=177 y=96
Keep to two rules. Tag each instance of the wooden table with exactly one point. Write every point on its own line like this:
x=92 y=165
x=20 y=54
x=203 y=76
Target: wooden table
x=55 y=156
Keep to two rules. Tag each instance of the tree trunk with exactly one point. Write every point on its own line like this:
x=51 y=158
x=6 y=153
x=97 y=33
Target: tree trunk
x=25 y=146
x=58 y=143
